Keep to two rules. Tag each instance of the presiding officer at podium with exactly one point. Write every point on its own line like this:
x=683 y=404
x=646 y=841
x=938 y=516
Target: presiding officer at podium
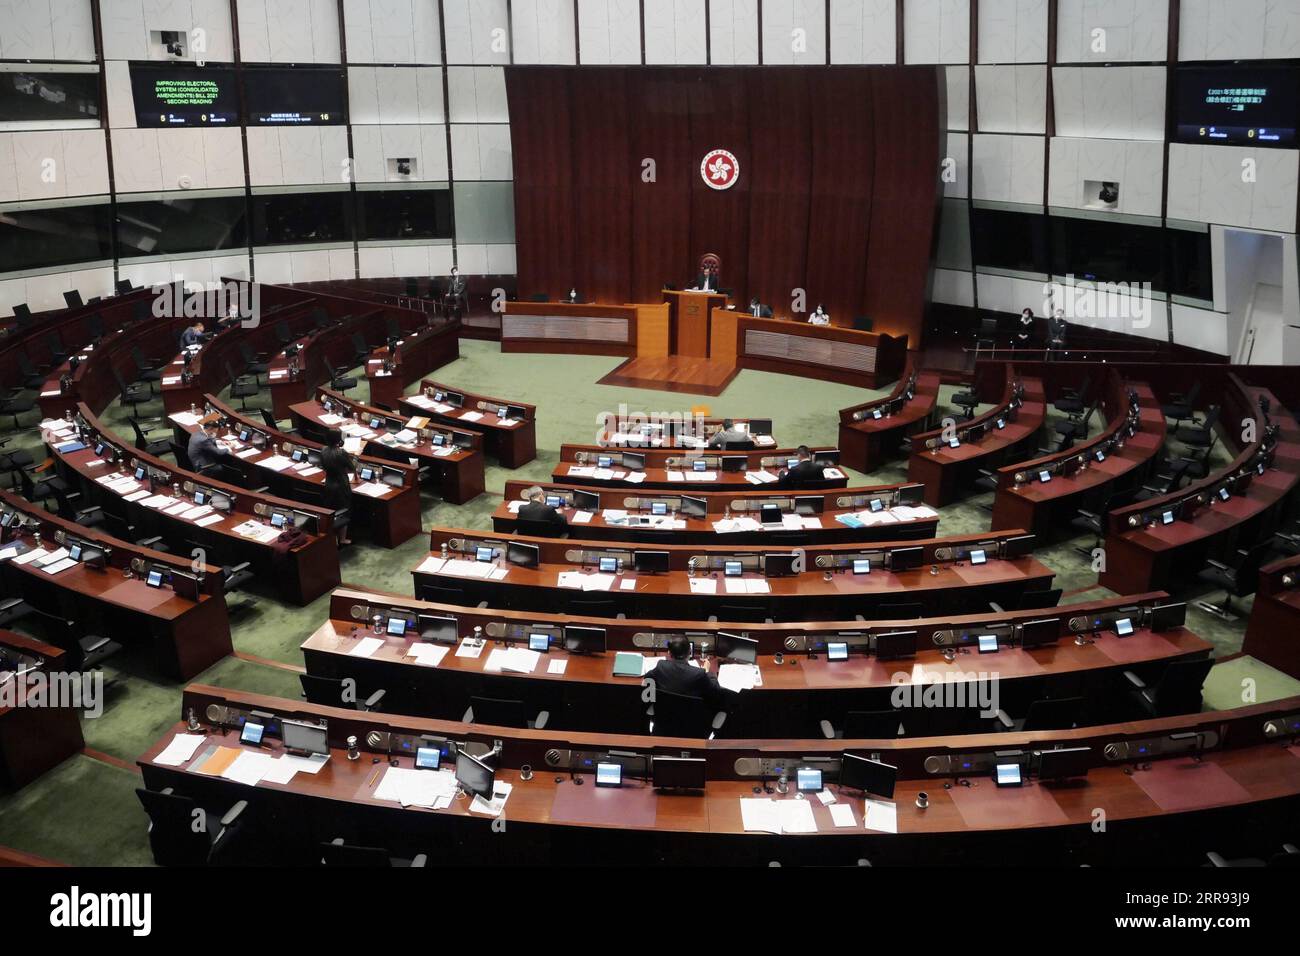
x=707 y=280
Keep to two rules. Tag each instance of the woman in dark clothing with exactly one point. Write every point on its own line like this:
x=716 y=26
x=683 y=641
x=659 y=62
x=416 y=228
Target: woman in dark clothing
x=1025 y=329
x=337 y=465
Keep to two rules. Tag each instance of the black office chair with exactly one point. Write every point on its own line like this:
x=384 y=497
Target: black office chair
x=681 y=715
x=863 y=324
x=966 y=400
x=1168 y=480
x=18 y=405
x=176 y=841
x=1092 y=519
x=393 y=330
x=13 y=459
x=30 y=375
x=865 y=725
x=744 y=444
x=95 y=326
x=133 y=395
x=282 y=332
x=338 y=378
x=242 y=387
x=73 y=298
x=498 y=712
x=252 y=365
x=332 y=692
x=144 y=371
x=268 y=419
x=70 y=508
x=1063 y=713
x=1180 y=406
x=1074 y=429
x=119 y=527
x=1177 y=692
x=541 y=529
x=58 y=351
x=1073 y=400
x=1239 y=578
x=40 y=487
x=23 y=315
x=1039 y=600
x=147 y=444
x=360 y=351
x=1200 y=435
x=338 y=853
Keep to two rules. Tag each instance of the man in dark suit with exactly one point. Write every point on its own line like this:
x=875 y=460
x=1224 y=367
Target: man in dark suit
x=457 y=293
x=205 y=452
x=729 y=433
x=758 y=310
x=192 y=336
x=542 y=516
x=805 y=472
x=676 y=675
x=707 y=280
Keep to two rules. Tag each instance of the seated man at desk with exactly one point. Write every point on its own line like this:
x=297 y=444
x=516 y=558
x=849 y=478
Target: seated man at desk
x=192 y=336
x=758 y=310
x=804 y=472
x=819 y=317
x=729 y=433
x=206 y=453
x=707 y=280
x=543 y=520
x=676 y=675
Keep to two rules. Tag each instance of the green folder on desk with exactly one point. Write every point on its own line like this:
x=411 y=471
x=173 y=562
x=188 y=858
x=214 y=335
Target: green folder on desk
x=627 y=664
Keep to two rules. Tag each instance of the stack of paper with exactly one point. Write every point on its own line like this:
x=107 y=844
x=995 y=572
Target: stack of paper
x=740 y=677
x=881 y=815
x=518 y=660
x=417 y=788
x=761 y=815
x=494 y=807
x=372 y=489
x=427 y=655
x=366 y=647
x=704 y=586
x=180 y=749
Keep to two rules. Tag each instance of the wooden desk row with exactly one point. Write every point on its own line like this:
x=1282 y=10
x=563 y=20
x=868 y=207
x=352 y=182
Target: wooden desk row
x=676 y=469
x=453 y=457
x=1275 y=611
x=511 y=438
x=941 y=581
x=1006 y=431
x=186 y=633
x=265 y=458
x=800 y=686
x=867 y=442
x=1117 y=459
x=830 y=353
x=1143 y=551
x=555 y=816
x=808 y=518
x=301 y=570
x=36 y=733
x=639 y=430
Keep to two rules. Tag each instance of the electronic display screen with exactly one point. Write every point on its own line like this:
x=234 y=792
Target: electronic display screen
x=252 y=733
x=609 y=774
x=732 y=569
x=861 y=565
x=182 y=95
x=295 y=96
x=699 y=464
x=979 y=556
x=877 y=505
x=837 y=651
x=608 y=565
x=539 y=642
x=988 y=643
x=1124 y=627
x=427 y=758
x=154 y=580
x=808 y=779
x=659 y=507
x=396 y=626
x=1044 y=476
x=1167 y=517
x=1007 y=774
x=483 y=554
x=554 y=501
x=1238 y=105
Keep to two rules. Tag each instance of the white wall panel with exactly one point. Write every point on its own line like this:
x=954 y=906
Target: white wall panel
x=1111 y=31
x=1122 y=102
x=1238 y=29
x=733 y=32
x=477 y=31
x=936 y=31
x=863 y=31
x=1013 y=31
x=1011 y=99
x=609 y=31
x=1136 y=165
x=543 y=31
x=794 y=32
x=1008 y=168
x=1233 y=186
x=675 y=32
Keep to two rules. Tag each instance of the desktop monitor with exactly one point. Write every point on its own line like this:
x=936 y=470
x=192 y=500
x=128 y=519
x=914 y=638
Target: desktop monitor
x=304 y=738
x=516 y=412
x=875 y=505
x=736 y=647
x=678 y=773
x=650 y=562
x=905 y=559
x=586 y=501
x=474 y=775
x=809 y=504
x=911 y=494
x=1040 y=632
x=524 y=555
x=462 y=440
x=1164 y=617
x=633 y=461
x=780 y=565
x=828 y=458
x=869 y=776
x=734 y=463
x=694 y=507
x=893 y=645
x=436 y=629
x=306 y=522
x=392 y=477
x=760 y=426
x=769 y=514
x=1064 y=764
x=1018 y=546
x=584 y=640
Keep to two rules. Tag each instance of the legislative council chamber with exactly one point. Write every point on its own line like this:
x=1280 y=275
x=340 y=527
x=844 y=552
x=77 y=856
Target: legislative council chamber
x=466 y=434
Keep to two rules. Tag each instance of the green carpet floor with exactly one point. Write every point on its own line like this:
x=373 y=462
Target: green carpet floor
x=85 y=812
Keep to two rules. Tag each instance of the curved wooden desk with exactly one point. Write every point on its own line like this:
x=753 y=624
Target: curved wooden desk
x=673 y=469
x=867 y=442
x=512 y=440
x=830 y=353
x=1273 y=631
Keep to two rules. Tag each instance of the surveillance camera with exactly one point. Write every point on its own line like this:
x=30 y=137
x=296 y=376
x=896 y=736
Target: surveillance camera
x=403 y=167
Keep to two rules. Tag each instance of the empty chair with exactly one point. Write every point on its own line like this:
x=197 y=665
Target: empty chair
x=1072 y=401
x=541 y=529
x=268 y=419
x=500 y=712
x=174 y=838
x=12 y=459
x=30 y=375
x=966 y=400
x=133 y=395
x=17 y=404
x=144 y=371
x=1200 y=435
x=23 y=315
x=282 y=333
x=1077 y=428
x=40 y=484
x=252 y=365
x=338 y=378
x=73 y=298
x=1060 y=714
x=58 y=351
x=242 y=387
x=95 y=326
x=89 y=517
x=147 y=444
x=681 y=715
x=1094 y=521
x=320 y=318
x=1037 y=600
x=360 y=351
x=1180 y=406
x=333 y=692
x=1178 y=691
x=1238 y=578
x=338 y=853
x=392 y=328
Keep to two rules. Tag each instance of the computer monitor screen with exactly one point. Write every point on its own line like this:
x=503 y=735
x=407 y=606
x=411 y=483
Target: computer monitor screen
x=650 y=562
x=736 y=647
x=1167 y=517
x=659 y=508
x=694 y=507
x=904 y=559
x=474 y=775
x=1040 y=632
x=1044 y=476
x=861 y=565
x=988 y=643
x=1123 y=626
x=678 y=773
x=732 y=569
x=893 y=645
x=634 y=461
x=978 y=556
x=304 y=737
x=396 y=626
x=586 y=500
x=609 y=774
x=769 y=514
x=392 y=477
x=734 y=463
x=875 y=505
x=760 y=426
x=252 y=733
x=539 y=642
x=608 y=565
x=1064 y=764
x=1007 y=774
x=837 y=651
x=483 y=553
x=365 y=473
x=554 y=501
x=911 y=494
x=808 y=779
x=278 y=519
x=74 y=552
x=584 y=640
x=1018 y=546
x=604 y=461
x=428 y=758
x=436 y=628
x=780 y=565
x=1164 y=617
x=154 y=580
x=699 y=464
x=524 y=555
x=828 y=457
x=516 y=412
x=869 y=776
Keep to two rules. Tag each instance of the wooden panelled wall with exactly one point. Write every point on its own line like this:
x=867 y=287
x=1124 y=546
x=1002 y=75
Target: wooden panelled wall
x=837 y=195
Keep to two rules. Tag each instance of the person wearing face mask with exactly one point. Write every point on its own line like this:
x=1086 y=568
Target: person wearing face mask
x=1025 y=329
x=819 y=317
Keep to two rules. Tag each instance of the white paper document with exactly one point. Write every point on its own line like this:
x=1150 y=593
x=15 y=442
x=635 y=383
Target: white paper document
x=881 y=815
x=366 y=647
x=179 y=750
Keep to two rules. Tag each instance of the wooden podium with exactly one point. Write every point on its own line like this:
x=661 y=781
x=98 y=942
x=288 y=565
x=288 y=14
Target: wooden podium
x=690 y=320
